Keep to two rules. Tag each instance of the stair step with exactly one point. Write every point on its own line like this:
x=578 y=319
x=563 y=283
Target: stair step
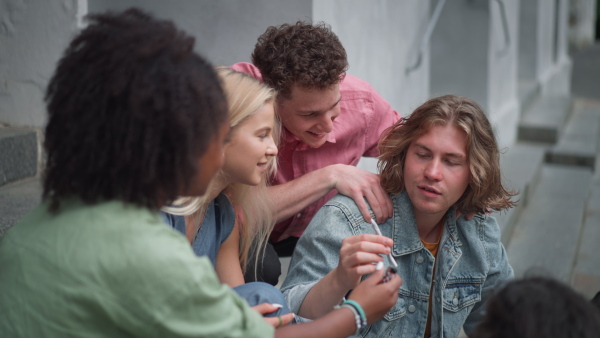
x=520 y=165
x=18 y=154
x=586 y=272
x=545 y=236
x=543 y=122
x=578 y=144
x=17 y=199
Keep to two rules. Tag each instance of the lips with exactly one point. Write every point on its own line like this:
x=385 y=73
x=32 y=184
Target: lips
x=429 y=190
x=317 y=135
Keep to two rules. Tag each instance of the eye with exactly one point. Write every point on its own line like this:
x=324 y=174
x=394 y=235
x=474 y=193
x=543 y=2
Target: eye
x=451 y=163
x=422 y=155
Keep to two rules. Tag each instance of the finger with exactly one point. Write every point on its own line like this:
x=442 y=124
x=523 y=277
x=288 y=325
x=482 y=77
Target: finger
x=287 y=318
x=362 y=206
x=367 y=238
x=265 y=308
x=279 y=321
x=375 y=205
x=374 y=278
x=359 y=259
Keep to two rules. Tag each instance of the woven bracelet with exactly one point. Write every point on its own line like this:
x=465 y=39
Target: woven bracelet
x=358 y=309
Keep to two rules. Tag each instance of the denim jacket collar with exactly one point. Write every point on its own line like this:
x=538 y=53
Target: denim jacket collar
x=404 y=228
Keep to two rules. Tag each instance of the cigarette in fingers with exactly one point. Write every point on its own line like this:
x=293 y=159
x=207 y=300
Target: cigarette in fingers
x=377 y=231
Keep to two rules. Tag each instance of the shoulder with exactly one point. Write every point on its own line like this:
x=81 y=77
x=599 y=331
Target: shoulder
x=341 y=209
x=483 y=233
x=353 y=83
x=224 y=217
x=485 y=226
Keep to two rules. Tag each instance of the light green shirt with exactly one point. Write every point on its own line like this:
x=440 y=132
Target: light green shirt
x=112 y=270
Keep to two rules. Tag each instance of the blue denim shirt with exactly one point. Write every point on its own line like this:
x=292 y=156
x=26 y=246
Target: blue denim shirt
x=471 y=263
x=216 y=227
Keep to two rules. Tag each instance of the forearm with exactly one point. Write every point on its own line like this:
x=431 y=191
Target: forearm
x=291 y=197
x=322 y=297
x=338 y=323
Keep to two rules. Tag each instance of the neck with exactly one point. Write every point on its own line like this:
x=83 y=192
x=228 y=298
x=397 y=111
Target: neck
x=428 y=225
x=218 y=184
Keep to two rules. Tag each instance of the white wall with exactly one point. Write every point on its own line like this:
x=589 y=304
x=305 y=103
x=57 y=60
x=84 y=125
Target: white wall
x=380 y=38
x=33 y=35
x=225 y=30
x=503 y=104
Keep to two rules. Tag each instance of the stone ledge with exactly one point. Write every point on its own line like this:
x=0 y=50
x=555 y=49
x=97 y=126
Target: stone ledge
x=18 y=154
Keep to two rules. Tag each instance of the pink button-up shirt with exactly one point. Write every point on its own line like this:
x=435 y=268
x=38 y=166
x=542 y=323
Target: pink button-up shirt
x=364 y=116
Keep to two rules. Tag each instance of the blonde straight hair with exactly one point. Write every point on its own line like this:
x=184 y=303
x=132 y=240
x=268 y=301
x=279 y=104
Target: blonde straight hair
x=254 y=208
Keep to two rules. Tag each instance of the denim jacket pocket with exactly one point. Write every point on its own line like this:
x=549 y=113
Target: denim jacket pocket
x=461 y=293
x=398 y=310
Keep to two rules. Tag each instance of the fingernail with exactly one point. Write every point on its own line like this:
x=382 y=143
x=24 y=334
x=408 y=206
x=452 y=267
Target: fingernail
x=279 y=306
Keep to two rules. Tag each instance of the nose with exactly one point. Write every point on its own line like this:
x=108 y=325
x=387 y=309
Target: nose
x=433 y=170
x=327 y=120
x=271 y=148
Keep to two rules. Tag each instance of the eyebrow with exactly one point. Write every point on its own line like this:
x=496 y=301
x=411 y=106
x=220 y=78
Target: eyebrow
x=456 y=155
x=317 y=111
x=264 y=129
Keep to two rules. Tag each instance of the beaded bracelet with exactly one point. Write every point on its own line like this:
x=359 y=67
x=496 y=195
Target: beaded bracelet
x=359 y=310
x=356 y=316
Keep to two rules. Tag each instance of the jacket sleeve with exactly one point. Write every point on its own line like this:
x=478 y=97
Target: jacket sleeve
x=317 y=252
x=499 y=271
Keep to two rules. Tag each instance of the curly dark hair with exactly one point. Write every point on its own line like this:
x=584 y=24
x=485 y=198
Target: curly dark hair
x=303 y=54
x=538 y=307
x=131 y=110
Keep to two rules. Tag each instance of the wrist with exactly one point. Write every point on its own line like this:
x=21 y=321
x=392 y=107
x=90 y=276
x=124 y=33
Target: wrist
x=332 y=175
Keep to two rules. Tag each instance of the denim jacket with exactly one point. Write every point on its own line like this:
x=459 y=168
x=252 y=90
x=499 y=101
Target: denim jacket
x=471 y=263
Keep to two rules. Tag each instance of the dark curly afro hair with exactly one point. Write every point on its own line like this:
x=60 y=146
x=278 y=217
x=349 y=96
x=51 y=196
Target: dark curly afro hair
x=131 y=110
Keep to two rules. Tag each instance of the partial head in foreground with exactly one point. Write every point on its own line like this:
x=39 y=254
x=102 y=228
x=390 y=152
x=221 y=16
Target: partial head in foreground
x=467 y=124
x=134 y=114
x=538 y=307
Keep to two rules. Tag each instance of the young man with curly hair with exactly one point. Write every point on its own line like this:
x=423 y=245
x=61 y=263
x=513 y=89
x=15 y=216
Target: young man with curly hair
x=441 y=160
x=331 y=119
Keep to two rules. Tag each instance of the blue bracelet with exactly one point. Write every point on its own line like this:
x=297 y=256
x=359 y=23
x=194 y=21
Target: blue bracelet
x=359 y=309
x=356 y=316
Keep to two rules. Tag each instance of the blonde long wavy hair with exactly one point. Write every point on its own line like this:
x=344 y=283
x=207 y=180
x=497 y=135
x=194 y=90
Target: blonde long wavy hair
x=254 y=209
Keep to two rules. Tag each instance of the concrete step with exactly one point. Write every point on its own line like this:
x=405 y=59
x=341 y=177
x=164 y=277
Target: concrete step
x=546 y=235
x=544 y=121
x=586 y=272
x=520 y=165
x=17 y=199
x=18 y=154
x=578 y=144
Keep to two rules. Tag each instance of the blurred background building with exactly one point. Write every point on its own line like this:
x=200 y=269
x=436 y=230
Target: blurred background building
x=520 y=59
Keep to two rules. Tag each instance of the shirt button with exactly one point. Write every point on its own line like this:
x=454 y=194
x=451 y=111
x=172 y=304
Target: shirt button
x=411 y=308
x=419 y=259
x=455 y=301
x=298 y=215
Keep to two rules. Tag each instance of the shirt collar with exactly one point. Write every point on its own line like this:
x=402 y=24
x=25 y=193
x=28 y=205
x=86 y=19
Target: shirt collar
x=404 y=226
